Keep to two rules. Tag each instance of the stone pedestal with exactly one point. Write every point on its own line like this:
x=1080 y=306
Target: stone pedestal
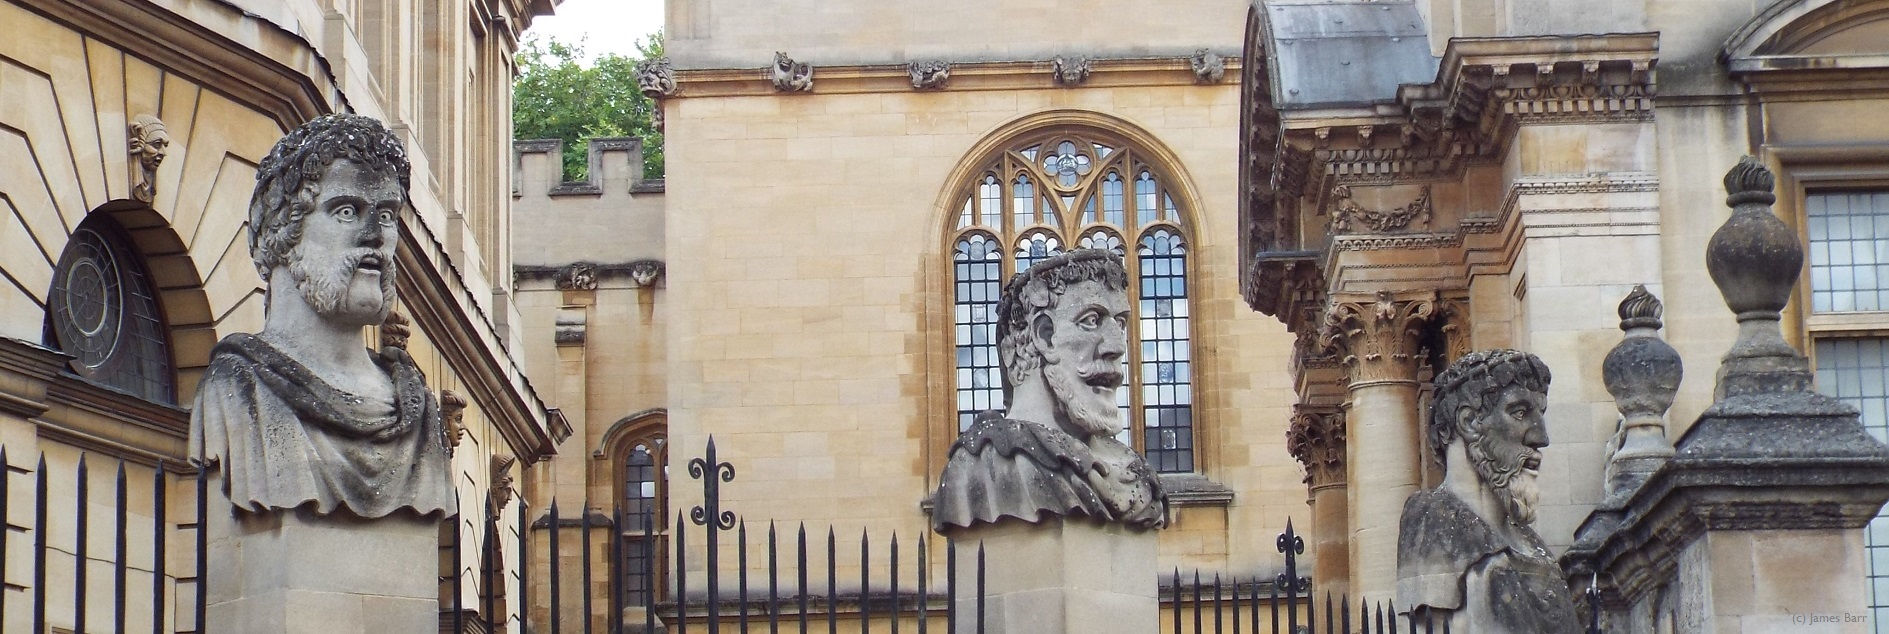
x=291 y=572
x=1060 y=575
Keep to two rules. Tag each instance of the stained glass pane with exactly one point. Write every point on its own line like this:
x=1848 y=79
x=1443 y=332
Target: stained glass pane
x=1145 y=211
x=1112 y=198
x=1023 y=198
x=977 y=265
x=1166 y=375
x=1036 y=248
x=990 y=195
x=1849 y=250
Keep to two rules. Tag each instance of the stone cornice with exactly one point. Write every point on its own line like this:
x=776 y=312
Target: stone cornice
x=1485 y=89
x=882 y=78
x=247 y=58
x=466 y=340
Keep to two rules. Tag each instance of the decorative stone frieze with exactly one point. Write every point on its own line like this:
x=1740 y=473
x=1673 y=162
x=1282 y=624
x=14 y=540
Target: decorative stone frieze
x=788 y=75
x=149 y=143
x=1208 y=67
x=930 y=74
x=1069 y=71
x=578 y=276
x=1378 y=336
x=1316 y=438
x=1347 y=215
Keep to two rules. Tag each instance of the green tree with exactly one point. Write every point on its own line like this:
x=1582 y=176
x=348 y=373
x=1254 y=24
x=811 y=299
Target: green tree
x=557 y=96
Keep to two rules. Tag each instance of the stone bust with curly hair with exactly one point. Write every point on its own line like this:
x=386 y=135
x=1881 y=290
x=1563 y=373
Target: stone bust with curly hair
x=1467 y=552
x=1062 y=336
x=301 y=415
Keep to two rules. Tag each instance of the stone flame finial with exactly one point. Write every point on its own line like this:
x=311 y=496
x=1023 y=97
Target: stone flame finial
x=1642 y=372
x=1755 y=259
x=1749 y=182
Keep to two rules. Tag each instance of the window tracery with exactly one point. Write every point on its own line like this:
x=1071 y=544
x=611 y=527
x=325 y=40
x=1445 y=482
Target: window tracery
x=103 y=310
x=1062 y=189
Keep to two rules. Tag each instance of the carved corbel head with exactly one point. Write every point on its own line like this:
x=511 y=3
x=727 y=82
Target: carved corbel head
x=645 y=272
x=149 y=143
x=503 y=484
x=1069 y=71
x=1208 y=66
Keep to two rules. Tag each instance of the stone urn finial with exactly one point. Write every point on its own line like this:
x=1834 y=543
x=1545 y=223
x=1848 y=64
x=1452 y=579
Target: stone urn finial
x=1755 y=259
x=1642 y=373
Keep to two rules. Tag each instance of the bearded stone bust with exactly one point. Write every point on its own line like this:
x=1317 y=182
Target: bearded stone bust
x=1062 y=334
x=1467 y=552
x=302 y=415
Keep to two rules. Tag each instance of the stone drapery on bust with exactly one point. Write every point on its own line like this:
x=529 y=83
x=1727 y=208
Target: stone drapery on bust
x=1466 y=550
x=1061 y=338
x=301 y=414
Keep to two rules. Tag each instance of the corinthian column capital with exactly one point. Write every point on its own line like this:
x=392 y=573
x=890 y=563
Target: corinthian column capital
x=1317 y=439
x=1377 y=335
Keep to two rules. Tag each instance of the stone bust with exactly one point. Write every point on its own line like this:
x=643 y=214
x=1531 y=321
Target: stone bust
x=1466 y=551
x=302 y=415
x=1061 y=332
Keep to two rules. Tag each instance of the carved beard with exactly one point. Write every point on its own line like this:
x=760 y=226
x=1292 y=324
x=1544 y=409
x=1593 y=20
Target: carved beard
x=1505 y=470
x=326 y=288
x=1091 y=412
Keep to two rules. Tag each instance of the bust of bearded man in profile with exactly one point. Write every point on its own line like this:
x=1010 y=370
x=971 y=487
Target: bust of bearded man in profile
x=302 y=415
x=1062 y=333
x=1467 y=554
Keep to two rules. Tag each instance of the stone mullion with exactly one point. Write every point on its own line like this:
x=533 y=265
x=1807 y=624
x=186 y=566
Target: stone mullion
x=1378 y=337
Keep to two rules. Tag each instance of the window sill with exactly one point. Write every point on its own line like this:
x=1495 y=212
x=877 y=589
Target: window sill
x=1193 y=489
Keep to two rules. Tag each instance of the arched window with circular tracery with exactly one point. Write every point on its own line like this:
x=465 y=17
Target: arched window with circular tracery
x=103 y=310
x=1061 y=189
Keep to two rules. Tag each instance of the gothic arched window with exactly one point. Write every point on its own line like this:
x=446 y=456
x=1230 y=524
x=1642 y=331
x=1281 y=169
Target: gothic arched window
x=1052 y=191
x=639 y=450
x=103 y=310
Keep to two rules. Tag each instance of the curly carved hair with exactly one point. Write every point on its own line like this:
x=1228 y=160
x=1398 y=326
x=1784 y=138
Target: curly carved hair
x=1037 y=290
x=287 y=180
x=1474 y=381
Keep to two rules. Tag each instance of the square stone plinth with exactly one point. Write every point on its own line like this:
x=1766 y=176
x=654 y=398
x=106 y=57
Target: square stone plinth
x=1059 y=575
x=293 y=572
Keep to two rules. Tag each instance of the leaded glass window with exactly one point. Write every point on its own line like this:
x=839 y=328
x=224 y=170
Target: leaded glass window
x=1057 y=190
x=103 y=310
x=1855 y=370
x=643 y=518
x=1849 y=250
x=976 y=266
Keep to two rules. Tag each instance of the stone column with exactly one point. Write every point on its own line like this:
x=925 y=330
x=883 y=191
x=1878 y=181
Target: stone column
x=1377 y=337
x=1317 y=440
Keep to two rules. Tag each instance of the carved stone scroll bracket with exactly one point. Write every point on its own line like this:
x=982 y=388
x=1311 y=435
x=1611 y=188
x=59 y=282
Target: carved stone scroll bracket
x=1208 y=67
x=1378 y=336
x=149 y=143
x=930 y=74
x=788 y=75
x=1069 y=71
x=1316 y=438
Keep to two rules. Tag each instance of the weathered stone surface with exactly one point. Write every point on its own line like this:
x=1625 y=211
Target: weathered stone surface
x=1642 y=373
x=1062 y=575
x=1061 y=337
x=1466 y=550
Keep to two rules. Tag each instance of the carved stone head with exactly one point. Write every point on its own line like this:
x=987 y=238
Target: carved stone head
x=643 y=273
x=1063 y=322
x=788 y=75
x=1208 y=66
x=1493 y=402
x=326 y=213
x=656 y=78
x=149 y=144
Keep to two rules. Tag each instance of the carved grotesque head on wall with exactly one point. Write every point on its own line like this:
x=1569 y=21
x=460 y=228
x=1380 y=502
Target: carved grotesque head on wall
x=1493 y=401
x=326 y=212
x=1064 y=322
x=149 y=144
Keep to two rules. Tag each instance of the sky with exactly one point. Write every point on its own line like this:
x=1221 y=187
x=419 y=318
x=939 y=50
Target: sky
x=607 y=26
